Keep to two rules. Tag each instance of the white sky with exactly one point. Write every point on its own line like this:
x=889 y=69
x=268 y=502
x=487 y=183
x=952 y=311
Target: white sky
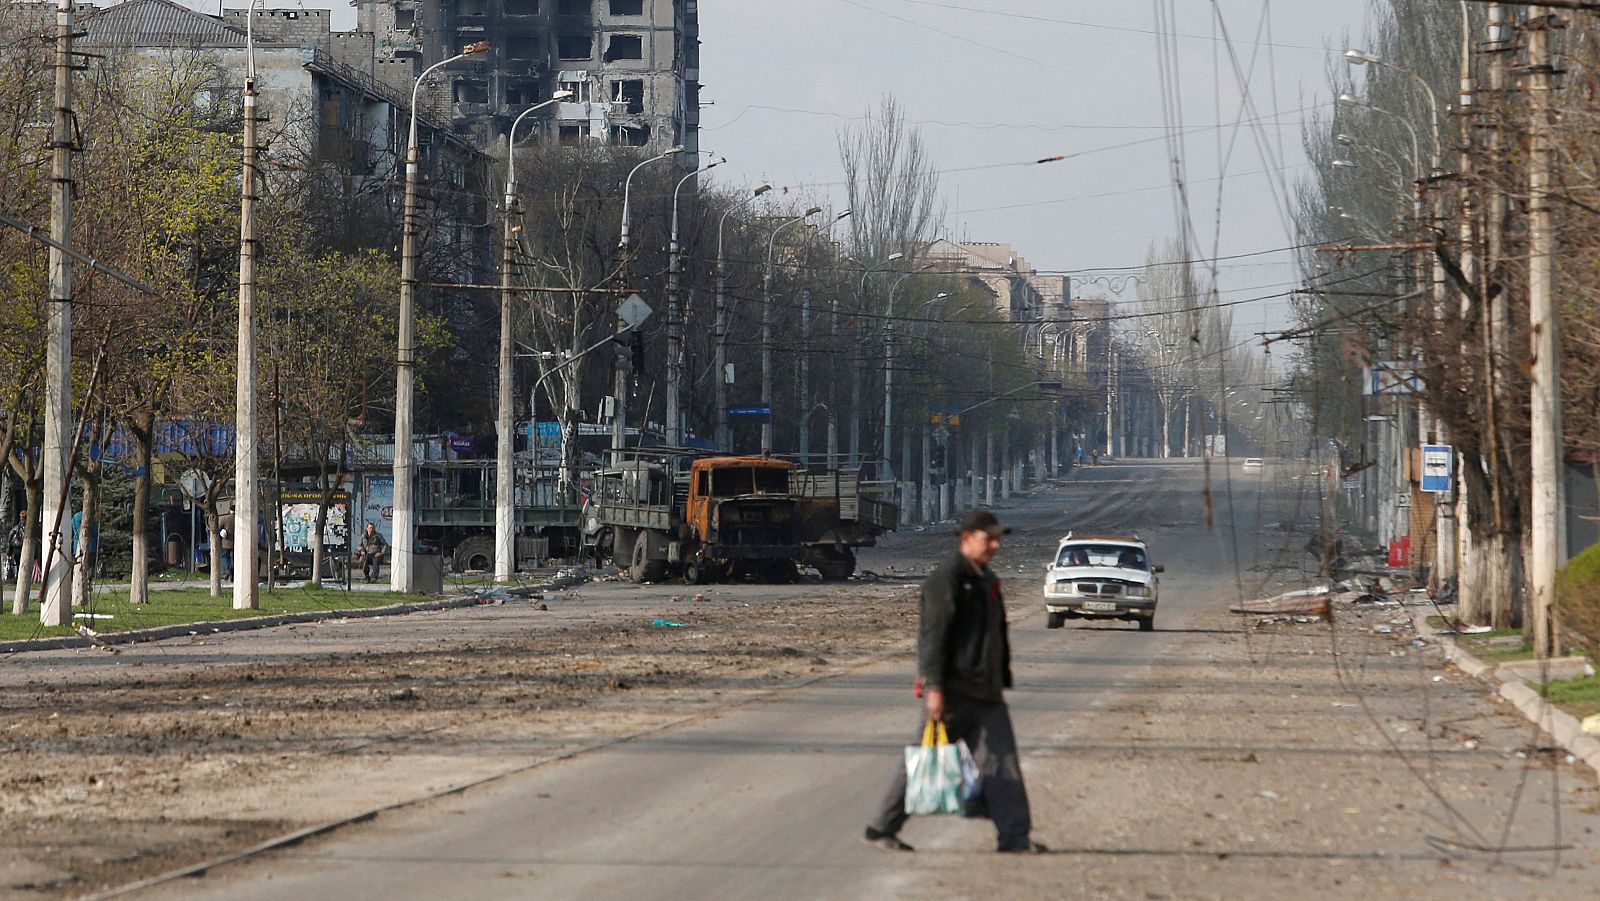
x=1018 y=80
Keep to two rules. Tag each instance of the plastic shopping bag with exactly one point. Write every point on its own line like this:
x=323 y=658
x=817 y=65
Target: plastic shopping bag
x=933 y=773
x=971 y=779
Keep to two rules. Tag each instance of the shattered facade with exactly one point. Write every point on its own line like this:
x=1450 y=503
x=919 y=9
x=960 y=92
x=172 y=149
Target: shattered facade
x=632 y=65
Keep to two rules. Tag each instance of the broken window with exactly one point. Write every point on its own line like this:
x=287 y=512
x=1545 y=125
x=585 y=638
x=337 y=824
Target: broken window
x=522 y=93
x=471 y=92
x=521 y=7
x=625 y=46
x=627 y=7
x=631 y=135
x=577 y=84
x=572 y=7
x=575 y=46
x=405 y=19
x=629 y=91
x=523 y=47
x=472 y=8
x=573 y=134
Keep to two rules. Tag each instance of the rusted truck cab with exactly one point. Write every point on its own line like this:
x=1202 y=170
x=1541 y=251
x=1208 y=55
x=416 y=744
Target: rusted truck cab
x=739 y=515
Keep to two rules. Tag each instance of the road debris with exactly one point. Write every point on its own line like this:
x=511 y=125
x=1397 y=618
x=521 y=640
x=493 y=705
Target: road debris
x=666 y=623
x=1307 y=602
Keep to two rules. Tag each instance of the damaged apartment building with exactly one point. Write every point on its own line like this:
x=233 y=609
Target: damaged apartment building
x=632 y=65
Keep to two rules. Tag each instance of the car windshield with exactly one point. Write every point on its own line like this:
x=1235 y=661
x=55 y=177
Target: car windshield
x=1121 y=555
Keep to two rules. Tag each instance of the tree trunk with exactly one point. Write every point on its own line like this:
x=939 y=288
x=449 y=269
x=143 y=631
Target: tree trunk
x=143 y=431
x=214 y=532
x=33 y=488
x=1166 y=427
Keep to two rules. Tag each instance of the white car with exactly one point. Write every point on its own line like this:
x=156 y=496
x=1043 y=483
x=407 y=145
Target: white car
x=1253 y=464
x=1102 y=577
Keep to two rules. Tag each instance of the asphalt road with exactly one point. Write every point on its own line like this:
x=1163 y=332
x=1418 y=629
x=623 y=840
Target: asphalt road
x=1196 y=761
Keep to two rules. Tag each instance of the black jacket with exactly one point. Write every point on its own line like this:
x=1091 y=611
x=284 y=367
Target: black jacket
x=954 y=647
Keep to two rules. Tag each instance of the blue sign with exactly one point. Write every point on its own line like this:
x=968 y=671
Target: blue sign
x=1438 y=467
x=762 y=412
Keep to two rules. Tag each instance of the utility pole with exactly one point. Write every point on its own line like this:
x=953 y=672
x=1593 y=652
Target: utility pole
x=244 y=455
x=766 y=329
x=675 y=318
x=56 y=610
x=724 y=427
x=505 y=467
x=1548 y=533
x=805 y=377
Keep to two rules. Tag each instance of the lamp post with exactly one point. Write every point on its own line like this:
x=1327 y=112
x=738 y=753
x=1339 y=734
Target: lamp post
x=505 y=473
x=619 y=420
x=888 y=372
x=724 y=433
x=402 y=569
x=675 y=319
x=855 y=371
x=766 y=329
x=244 y=456
x=1361 y=58
x=804 y=393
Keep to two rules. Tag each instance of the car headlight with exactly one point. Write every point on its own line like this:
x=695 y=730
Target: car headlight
x=1060 y=588
x=1137 y=591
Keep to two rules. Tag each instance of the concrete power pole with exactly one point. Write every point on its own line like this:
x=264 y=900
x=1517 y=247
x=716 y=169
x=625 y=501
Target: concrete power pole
x=1548 y=532
x=505 y=482
x=56 y=610
x=244 y=455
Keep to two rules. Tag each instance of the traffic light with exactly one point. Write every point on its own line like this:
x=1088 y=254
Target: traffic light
x=624 y=346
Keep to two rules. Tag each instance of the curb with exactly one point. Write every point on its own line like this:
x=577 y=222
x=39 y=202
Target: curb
x=158 y=633
x=1555 y=722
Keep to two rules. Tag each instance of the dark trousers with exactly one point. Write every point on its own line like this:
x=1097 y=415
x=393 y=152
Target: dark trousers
x=986 y=728
x=370 y=565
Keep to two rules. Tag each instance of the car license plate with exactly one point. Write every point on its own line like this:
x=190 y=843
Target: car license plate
x=1099 y=605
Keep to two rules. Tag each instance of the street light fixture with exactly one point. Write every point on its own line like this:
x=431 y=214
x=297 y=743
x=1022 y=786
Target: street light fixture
x=766 y=330
x=675 y=316
x=627 y=189
x=724 y=434
x=505 y=512
x=1361 y=58
x=888 y=371
x=402 y=568
x=856 y=370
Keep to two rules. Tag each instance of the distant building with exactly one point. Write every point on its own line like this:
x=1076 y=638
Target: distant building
x=633 y=66
x=1019 y=292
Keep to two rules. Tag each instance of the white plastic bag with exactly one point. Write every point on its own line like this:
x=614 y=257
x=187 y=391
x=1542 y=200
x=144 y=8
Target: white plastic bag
x=933 y=773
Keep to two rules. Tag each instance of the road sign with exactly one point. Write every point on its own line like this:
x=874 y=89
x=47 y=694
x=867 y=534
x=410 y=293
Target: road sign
x=634 y=311
x=761 y=412
x=1438 y=468
x=1391 y=378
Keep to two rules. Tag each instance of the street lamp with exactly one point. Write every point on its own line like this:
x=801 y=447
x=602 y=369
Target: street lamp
x=888 y=371
x=619 y=418
x=505 y=511
x=244 y=455
x=804 y=425
x=766 y=329
x=402 y=569
x=724 y=435
x=1361 y=58
x=627 y=189
x=1354 y=102
x=675 y=317
x=855 y=371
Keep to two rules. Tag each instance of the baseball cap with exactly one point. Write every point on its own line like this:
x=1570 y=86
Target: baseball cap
x=983 y=521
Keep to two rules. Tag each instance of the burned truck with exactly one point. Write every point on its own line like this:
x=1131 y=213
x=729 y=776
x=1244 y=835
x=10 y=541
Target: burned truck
x=715 y=518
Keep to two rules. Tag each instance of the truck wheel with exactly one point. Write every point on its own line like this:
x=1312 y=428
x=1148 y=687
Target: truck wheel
x=476 y=554
x=695 y=572
x=783 y=572
x=641 y=568
x=836 y=567
x=1147 y=623
x=1054 y=620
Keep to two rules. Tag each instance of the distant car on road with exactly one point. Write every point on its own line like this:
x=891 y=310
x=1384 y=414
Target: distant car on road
x=1254 y=464
x=1102 y=577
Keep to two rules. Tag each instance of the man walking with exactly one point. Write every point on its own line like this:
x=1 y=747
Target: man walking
x=370 y=551
x=964 y=666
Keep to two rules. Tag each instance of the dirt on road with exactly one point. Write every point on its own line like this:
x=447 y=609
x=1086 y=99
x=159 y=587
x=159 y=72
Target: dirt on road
x=122 y=767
